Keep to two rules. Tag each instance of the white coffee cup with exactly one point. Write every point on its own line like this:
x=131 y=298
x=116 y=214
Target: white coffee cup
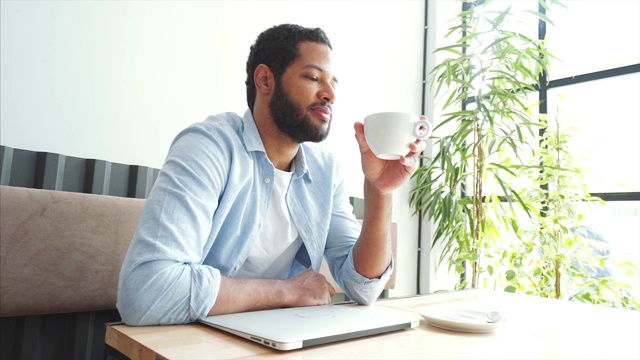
x=390 y=133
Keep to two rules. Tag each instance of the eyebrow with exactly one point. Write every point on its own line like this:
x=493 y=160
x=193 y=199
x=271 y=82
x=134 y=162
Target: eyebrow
x=314 y=66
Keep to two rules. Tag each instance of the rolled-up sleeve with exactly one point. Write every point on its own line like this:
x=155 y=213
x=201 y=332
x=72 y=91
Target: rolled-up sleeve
x=361 y=289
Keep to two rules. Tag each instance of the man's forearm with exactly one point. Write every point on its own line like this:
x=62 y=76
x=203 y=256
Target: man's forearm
x=372 y=252
x=238 y=295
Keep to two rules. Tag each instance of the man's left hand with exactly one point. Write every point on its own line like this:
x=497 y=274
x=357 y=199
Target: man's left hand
x=388 y=175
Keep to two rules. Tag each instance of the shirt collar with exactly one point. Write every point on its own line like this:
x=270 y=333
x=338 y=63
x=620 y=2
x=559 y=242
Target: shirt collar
x=253 y=142
x=250 y=133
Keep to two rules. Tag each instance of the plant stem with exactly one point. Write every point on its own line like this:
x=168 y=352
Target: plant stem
x=558 y=149
x=558 y=278
x=477 y=195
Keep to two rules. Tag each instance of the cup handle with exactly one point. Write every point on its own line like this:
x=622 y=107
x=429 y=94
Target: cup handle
x=422 y=129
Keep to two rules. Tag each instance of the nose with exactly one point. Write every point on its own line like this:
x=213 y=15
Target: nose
x=327 y=93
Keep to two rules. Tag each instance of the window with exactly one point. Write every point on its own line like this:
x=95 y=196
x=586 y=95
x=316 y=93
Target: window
x=595 y=82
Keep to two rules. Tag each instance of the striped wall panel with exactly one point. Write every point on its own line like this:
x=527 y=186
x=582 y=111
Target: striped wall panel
x=50 y=171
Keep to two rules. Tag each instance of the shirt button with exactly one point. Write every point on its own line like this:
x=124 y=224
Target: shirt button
x=267 y=180
x=235 y=268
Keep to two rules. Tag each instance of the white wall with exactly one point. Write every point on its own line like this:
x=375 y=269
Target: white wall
x=116 y=80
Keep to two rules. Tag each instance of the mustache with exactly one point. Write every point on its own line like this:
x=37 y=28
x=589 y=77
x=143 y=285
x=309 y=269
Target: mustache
x=320 y=103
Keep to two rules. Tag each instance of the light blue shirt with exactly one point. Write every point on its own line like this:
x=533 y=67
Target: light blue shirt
x=203 y=215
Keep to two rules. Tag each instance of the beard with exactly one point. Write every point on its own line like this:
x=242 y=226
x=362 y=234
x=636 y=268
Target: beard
x=292 y=120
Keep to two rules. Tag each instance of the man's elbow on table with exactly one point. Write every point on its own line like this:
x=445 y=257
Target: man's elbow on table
x=133 y=305
x=364 y=298
x=136 y=309
x=363 y=290
x=129 y=314
x=130 y=305
x=142 y=303
x=364 y=294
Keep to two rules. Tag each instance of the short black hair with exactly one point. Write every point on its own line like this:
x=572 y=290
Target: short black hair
x=277 y=47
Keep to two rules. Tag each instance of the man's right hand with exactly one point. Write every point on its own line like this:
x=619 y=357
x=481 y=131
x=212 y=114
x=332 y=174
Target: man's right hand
x=238 y=295
x=309 y=288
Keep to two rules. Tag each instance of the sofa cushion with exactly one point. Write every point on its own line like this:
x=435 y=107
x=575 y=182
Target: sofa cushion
x=62 y=251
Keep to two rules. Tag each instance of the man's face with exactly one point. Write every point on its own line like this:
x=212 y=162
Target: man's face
x=301 y=102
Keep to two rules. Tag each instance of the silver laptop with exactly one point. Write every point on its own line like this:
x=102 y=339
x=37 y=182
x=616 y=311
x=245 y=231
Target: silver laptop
x=300 y=327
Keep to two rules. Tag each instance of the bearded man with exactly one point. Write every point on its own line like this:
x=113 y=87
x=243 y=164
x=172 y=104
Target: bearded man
x=244 y=209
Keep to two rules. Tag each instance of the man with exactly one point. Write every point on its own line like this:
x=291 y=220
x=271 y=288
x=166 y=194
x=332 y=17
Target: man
x=244 y=210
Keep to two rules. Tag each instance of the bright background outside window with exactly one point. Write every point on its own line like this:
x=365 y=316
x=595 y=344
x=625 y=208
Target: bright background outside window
x=594 y=35
x=606 y=116
x=591 y=37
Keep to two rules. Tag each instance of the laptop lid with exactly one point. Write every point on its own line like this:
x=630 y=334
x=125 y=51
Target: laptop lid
x=299 y=327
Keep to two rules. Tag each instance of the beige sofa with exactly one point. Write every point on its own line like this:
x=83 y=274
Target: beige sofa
x=61 y=251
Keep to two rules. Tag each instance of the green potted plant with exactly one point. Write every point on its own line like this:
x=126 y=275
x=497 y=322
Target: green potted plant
x=505 y=204
x=488 y=76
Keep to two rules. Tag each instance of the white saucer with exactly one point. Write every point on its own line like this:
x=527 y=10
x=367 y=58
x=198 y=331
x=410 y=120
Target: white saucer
x=459 y=320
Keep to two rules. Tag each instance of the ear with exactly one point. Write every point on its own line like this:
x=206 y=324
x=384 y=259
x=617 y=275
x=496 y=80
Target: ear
x=264 y=79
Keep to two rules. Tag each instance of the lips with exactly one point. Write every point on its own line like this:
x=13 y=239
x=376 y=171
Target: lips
x=323 y=112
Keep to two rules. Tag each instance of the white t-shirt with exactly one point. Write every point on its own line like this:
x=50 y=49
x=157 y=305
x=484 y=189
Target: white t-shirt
x=278 y=241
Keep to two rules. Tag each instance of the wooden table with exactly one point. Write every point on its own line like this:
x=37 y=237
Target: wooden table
x=535 y=328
